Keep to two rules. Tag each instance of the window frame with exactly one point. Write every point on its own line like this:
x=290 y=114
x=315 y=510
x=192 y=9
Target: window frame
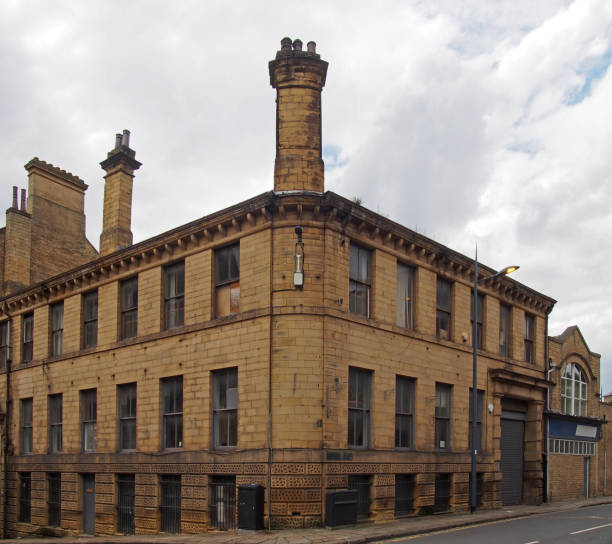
x=480 y=321
x=404 y=411
x=173 y=386
x=479 y=419
x=90 y=319
x=5 y=343
x=56 y=328
x=225 y=414
x=529 y=338
x=360 y=303
x=89 y=419
x=360 y=380
x=574 y=376
x=444 y=311
x=174 y=295
x=27 y=337
x=128 y=299
x=442 y=416
x=55 y=424
x=26 y=416
x=127 y=409
x=405 y=295
x=228 y=282
x=505 y=329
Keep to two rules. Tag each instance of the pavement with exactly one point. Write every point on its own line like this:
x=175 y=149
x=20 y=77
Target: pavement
x=354 y=534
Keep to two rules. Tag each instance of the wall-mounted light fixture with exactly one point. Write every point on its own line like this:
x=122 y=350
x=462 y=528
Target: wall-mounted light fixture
x=298 y=255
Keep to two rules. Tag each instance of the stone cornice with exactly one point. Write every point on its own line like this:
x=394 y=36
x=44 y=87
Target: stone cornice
x=47 y=167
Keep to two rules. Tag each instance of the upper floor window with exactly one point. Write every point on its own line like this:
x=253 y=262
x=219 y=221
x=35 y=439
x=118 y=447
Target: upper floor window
x=129 y=307
x=442 y=416
x=172 y=412
x=404 y=406
x=55 y=423
x=26 y=425
x=443 y=309
x=405 y=296
x=479 y=401
x=573 y=391
x=90 y=319
x=227 y=280
x=27 y=348
x=504 y=329
x=359 y=398
x=89 y=417
x=126 y=397
x=174 y=295
x=5 y=343
x=529 y=336
x=360 y=280
x=479 y=320
x=225 y=407
x=57 y=328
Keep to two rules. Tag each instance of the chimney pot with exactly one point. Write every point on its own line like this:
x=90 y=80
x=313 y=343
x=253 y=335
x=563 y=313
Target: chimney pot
x=297 y=45
x=23 y=200
x=312 y=47
x=286 y=44
x=117 y=140
x=125 y=139
x=14 y=196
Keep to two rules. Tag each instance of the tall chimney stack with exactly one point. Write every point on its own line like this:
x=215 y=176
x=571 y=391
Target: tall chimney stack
x=120 y=165
x=298 y=77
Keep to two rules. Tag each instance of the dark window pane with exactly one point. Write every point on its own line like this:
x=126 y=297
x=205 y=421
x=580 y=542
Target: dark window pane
x=174 y=301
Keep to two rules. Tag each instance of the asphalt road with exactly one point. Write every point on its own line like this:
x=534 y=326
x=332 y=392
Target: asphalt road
x=590 y=525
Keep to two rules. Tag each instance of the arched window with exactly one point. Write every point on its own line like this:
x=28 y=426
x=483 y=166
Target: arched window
x=573 y=391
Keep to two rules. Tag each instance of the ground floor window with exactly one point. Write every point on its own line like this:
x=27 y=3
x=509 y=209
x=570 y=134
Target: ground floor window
x=170 y=503
x=404 y=494
x=442 y=492
x=126 y=487
x=361 y=484
x=223 y=502
x=572 y=447
x=25 y=494
x=54 y=503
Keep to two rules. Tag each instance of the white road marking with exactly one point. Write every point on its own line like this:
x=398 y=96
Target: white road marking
x=533 y=542
x=591 y=529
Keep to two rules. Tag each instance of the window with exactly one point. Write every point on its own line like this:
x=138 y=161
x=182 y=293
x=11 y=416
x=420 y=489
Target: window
x=359 y=395
x=223 y=503
x=573 y=391
x=479 y=329
x=25 y=495
x=572 y=447
x=442 y=492
x=172 y=410
x=443 y=407
x=361 y=483
x=443 y=309
x=405 y=296
x=404 y=494
x=529 y=335
x=27 y=351
x=504 y=330
x=126 y=394
x=54 y=502
x=55 y=423
x=129 y=307
x=170 y=503
x=57 y=329
x=359 y=280
x=26 y=425
x=225 y=407
x=404 y=404
x=479 y=400
x=89 y=414
x=227 y=280
x=126 y=489
x=5 y=343
x=90 y=319
x=174 y=298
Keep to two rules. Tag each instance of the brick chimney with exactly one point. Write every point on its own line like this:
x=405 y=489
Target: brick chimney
x=298 y=77
x=120 y=165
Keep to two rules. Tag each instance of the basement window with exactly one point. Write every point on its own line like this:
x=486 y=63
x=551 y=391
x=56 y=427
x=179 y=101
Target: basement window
x=227 y=280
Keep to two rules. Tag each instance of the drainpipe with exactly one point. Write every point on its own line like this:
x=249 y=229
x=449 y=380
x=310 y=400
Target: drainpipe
x=270 y=452
x=549 y=368
x=7 y=423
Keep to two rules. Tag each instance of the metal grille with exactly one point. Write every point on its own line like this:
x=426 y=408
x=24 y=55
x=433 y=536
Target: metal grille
x=55 y=499
x=223 y=504
x=171 y=504
x=404 y=494
x=126 y=504
x=442 y=496
x=361 y=484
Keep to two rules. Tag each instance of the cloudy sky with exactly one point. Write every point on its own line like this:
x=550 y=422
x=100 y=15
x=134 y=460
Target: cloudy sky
x=468 y=121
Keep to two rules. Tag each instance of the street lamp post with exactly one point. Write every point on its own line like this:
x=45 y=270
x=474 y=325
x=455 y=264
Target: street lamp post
x=473 y=475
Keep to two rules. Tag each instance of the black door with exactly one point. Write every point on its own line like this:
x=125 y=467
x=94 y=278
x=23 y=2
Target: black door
x=512 y=450
x=89 y=503
x=171 y=503
x=361 y=484
x=126 y=485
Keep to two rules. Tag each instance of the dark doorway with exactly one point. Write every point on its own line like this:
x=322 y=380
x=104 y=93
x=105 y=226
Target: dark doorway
x=223 y=503
x=171 y=504
x=89 y=503
x=512 y=453
x=361 y=484
x=126 y=487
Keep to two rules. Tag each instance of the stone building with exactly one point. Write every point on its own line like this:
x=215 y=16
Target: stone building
x=295 y=340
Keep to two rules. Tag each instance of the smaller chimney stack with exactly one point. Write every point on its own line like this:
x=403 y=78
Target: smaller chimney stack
x=23 y=200
x=15 y=190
